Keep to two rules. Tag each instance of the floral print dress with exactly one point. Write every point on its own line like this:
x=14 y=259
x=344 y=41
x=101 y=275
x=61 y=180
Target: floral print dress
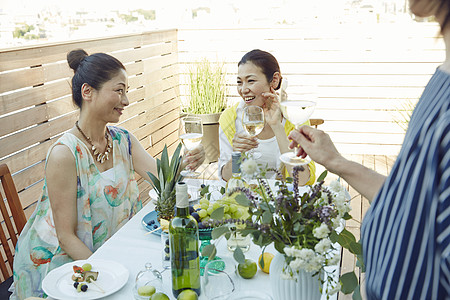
x=104 y=204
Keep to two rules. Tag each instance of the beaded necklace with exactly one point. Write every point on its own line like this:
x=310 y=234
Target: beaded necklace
x=99 y=156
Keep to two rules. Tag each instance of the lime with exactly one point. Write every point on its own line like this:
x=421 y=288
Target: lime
x=187 y=295
x=87 y=267
x=146 y=290
x=248 y=269
x=159 y=296
x=267 y=258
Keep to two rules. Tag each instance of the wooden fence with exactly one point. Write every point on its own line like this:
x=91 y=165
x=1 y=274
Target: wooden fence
x=365 y=74
x=36 y=104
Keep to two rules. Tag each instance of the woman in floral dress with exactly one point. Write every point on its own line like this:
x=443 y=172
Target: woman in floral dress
x=90 y=190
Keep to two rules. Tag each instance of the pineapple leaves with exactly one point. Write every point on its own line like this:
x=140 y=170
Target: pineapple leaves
x=165 y=164
x=168 y=173
x=154 y=182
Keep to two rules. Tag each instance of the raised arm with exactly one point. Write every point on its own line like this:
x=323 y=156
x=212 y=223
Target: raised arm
x=144 y=162
x=318 y=145
x=61 y=180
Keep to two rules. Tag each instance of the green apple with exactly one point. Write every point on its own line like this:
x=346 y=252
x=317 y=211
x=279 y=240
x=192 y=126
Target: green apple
x=187 y=295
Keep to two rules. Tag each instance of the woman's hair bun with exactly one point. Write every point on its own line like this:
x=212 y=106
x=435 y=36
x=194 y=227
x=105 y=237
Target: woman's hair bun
x=75 y=57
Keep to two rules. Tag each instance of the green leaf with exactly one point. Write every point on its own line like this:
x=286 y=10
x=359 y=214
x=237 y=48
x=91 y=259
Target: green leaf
x=242 y=199
x=357 y=293
x=349 y=282
x=267 y=217
x=154 y=182
x=261 y=261
x=175 y=159
x=162 y=182
x=209 y=251
x=279 y=246
x=347 y=216
x=355 y=248
x=239 y=255
x=165 y=163
x=222 y=190
x=345 y=238
x=334 y=237
x=218 y=213
x=360 y=262
x=219 y=231
x=204 y=190
x=322 y=176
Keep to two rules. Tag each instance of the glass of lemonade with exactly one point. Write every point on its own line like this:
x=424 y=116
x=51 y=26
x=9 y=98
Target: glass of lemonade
x=253 y=123
x=297 y=109
x=191 y=134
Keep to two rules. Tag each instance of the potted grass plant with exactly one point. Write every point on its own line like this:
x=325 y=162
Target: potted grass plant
x=207 y=100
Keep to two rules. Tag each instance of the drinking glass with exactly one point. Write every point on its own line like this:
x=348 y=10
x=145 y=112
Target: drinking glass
x=220 y=279
x=253 y=123
x=297 y=109
x=190 y=133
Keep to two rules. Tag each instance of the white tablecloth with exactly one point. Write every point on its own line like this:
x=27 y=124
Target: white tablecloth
x=132 y=248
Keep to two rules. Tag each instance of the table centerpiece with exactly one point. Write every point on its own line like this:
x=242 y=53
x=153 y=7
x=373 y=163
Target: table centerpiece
x=305 y=229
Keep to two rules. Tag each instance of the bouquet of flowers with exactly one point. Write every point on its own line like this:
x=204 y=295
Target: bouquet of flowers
x=304 y=227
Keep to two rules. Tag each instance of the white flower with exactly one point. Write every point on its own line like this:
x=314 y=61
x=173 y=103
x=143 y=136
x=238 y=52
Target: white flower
x=306 y=254
x=297 y=264
x=323 y=246
x=316 y=263
x=289 y=251
x=336 y=222
x=336 y=187
x=334 y=260
x=249 y=166
x=321 y=232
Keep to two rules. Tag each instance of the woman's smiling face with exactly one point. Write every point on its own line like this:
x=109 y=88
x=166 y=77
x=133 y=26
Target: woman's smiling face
x=251 y=83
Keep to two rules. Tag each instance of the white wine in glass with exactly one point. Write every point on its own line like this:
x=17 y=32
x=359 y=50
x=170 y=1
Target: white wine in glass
x=191 y=134
x=297 y=112
x=253 y=123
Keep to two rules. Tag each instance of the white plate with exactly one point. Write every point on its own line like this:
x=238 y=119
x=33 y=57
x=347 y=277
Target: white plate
x=112 y=276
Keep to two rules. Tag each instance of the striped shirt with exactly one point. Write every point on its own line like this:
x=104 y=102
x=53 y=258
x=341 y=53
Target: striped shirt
x=406 y=232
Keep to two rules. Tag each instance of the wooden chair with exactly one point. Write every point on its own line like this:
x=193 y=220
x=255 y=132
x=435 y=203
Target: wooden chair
x=10 y=227
x=316 y=122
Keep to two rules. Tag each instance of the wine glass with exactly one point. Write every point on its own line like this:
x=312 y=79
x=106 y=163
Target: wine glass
x=190 y=133
x=297 y=110
x=253 y=123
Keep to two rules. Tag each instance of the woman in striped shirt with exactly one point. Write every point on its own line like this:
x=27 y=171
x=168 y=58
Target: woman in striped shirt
x=406 y=232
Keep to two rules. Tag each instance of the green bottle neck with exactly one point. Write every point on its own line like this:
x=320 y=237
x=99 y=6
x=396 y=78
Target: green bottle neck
x=182 y=212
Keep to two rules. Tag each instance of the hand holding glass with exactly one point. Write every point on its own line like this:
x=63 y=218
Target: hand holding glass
x=297 y=112
x=190 y=133
x=253 y=123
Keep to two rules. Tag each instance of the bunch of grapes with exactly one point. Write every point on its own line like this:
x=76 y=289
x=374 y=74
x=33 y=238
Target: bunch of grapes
x=202 y=211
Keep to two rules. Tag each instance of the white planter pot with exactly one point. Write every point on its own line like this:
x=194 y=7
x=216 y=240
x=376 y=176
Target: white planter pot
x=305 y=287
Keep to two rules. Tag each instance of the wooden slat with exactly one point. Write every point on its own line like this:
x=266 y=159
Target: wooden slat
x=29 y=176
x=20 y=79
x=36 y=134
x=33 y=96
x=23 y=119
x=31 y=194
x=29 y=156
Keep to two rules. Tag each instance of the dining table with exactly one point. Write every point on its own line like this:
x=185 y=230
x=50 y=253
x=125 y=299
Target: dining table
x=133 y=247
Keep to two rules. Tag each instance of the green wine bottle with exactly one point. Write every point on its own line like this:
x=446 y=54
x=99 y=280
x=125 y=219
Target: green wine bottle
x=184 y=242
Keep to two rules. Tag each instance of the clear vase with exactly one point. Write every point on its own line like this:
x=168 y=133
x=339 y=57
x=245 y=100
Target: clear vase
x=303 y=286
x=237 y=240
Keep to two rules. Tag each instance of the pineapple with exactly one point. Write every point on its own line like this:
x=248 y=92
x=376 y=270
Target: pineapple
x=164 y=183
